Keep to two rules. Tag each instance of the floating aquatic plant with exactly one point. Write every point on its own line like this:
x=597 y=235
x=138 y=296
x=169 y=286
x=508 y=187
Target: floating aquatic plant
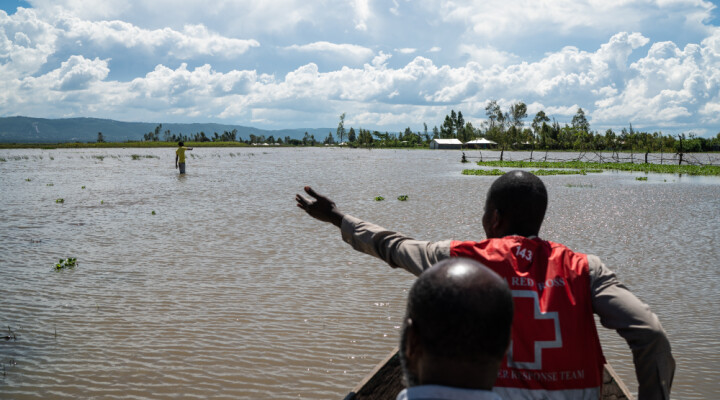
x=153 y=213
x=379 y=198
x=59 y=200
x=99 y=157
x=641 y=178
x=67 y=263
x=82 y=187
x=50 y=184
x=27 y=179
x=579 y=185
x=403 y=197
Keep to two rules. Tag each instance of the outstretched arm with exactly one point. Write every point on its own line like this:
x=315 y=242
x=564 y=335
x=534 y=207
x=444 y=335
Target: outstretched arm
x=321 y=208
x=394 y=248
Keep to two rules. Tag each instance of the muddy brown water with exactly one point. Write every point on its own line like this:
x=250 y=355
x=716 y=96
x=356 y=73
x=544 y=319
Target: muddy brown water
x=230 y=291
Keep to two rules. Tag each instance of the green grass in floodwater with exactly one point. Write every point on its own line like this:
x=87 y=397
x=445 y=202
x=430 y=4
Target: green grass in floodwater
x=2 y=159
x=82 y=187
x=379 y=198
x=641 y=178
x=403 y=197
x=59 y=200
x=99 y=157
x=483 y=172
x=153 y=213
x=588 y=166
x=50 y=184
x=540 y=172
x=28 y=179
x=580 y=185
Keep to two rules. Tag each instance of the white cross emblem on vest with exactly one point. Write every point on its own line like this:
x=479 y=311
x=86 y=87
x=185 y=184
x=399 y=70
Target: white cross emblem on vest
x=540 y=344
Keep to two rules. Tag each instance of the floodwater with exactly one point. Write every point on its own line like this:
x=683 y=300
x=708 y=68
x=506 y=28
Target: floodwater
x=231 y=291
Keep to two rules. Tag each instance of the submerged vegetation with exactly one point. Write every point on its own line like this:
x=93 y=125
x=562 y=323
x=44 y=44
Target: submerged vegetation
x=594 y=166
x=379 y=198
x=403 y=197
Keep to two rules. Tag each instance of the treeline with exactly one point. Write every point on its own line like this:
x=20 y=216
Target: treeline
x=510 y=129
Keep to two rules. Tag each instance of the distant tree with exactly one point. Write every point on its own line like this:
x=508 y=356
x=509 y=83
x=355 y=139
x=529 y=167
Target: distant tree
x=341 y=128
x=101 y=138
x=447 y=129
x=436 y=132
x=459 y=125
x=426 y=137
x=537 y=123
x=351 y=135
x=580 y=122
x=329 y=139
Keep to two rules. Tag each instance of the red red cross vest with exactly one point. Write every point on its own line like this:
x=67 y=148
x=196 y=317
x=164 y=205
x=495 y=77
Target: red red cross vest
x=555 y=351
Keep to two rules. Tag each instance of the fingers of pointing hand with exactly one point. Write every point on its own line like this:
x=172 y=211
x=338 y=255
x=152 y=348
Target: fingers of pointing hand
x=302 y=202
x=312 y=192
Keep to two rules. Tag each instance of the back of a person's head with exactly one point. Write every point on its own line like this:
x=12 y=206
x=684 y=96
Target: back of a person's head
x=521 y=198
x=461 y=310
x=181 y=144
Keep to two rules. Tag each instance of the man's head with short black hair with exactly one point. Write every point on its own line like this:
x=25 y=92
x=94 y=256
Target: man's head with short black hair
x=181 y=144
x=515 y=205
x=457 y=325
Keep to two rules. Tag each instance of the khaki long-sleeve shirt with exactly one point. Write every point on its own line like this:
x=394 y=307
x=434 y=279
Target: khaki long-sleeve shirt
x=616 y=306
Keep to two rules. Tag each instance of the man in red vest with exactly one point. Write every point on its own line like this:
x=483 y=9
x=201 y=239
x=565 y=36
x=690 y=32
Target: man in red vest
x=555 y=352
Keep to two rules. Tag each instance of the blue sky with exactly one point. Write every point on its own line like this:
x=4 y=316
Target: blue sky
x=386 y=64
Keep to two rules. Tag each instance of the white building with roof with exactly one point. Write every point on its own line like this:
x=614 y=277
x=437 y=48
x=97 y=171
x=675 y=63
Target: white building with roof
x=445 y=144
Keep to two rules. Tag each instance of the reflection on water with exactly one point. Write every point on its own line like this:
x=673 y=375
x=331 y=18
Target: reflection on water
x=229 y=290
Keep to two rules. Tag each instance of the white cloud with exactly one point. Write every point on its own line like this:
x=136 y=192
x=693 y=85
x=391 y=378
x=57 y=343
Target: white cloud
x=406 y=50
x=498 y=18
x=26 y=42
x=362 y=14
x=78 y=73
x=351 y=51
x=193 y=41
x=487 y=56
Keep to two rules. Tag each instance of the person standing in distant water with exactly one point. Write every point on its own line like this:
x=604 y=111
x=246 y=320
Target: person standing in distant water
x=180 y=156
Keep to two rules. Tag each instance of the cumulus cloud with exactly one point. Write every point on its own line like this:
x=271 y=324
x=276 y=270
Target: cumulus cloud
x=192 y=41
x=78 y=73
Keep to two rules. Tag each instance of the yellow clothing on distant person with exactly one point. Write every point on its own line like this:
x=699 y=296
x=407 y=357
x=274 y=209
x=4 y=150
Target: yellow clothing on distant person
x=181 y=154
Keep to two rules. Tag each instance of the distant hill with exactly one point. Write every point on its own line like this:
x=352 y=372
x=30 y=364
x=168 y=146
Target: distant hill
x=40 y=130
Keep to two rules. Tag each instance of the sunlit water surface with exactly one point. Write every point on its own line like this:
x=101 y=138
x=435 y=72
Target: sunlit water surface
x=230 y=291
